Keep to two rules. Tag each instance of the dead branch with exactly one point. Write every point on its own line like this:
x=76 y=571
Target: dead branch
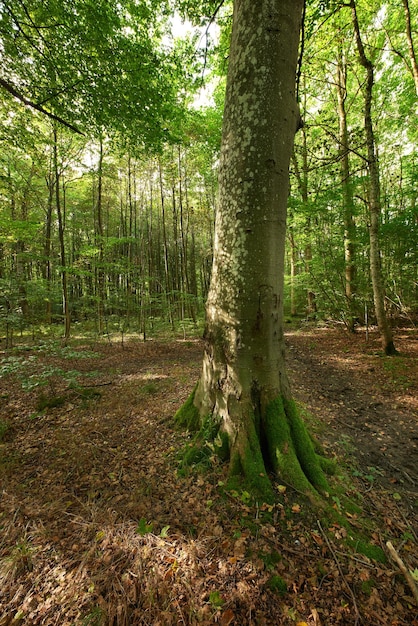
x=405 y=571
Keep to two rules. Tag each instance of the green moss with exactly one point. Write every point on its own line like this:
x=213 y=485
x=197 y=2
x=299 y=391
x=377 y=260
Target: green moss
x=367 y=586
x=270 y=559
x=247 y=461
x=368 y=549
x=48 y=402
x=277 y=585
x=207 y=441
x=329 y=466
x=285 y=442
x=188 y=415
x=304 y=448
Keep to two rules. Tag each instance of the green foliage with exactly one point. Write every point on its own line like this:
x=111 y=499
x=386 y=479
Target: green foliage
x=95 y=617
x=270 y=559
x=73 y=81
x=216 y=599
x=55 y=348
x=277 y=585
x=48 y=402
x=143 y=527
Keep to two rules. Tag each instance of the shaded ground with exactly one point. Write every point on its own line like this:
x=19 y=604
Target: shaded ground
x=97 y=527
x=368 y=403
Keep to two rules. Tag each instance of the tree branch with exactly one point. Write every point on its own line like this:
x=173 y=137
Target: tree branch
x=11 y=89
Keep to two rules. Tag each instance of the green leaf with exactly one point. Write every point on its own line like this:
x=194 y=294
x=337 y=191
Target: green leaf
x=143 y=527
x=414 y=574
x=164 y=531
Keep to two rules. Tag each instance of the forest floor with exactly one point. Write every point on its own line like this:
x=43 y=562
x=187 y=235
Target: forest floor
x=97 y=526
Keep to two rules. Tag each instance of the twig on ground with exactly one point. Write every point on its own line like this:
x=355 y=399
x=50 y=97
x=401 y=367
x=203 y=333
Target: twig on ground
x=405 y=571
x=331 y=549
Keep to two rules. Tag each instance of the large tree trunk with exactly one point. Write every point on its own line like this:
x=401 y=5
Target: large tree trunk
x=243 y=389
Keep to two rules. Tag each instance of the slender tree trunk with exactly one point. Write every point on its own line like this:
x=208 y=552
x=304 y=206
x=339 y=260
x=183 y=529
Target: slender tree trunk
x=348 y=203
x=100 y=274
x=168 y=289
x=244 y=386
x=61 y=227
x=411 y=48
x=374 y=195
x=46 y=271
x=293 y=273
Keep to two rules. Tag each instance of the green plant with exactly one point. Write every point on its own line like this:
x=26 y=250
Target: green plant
x=96 y=617
x=216 y=599
x=397 y=369
x=277 y=585
x=143 y=527
x=48 y=402
x=150 y=389
x=270 y=559
x=19 y=561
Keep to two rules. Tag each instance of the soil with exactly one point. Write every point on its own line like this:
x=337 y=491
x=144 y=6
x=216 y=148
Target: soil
x=98 y=526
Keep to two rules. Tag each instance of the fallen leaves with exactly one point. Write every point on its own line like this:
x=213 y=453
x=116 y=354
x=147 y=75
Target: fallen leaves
x=115 y=532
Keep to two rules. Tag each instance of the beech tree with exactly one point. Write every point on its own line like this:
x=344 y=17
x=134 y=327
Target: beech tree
x=243 y=399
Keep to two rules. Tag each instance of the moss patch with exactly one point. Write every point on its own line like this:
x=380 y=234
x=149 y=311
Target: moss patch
x=304 y=448
x=188 y=415
x=49 y=402
x=372 y=552
x=247 y=463
x=277 y=585
x=290 y=448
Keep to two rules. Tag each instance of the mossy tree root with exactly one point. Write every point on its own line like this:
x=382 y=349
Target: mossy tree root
x=290 y=448
x=276 y=441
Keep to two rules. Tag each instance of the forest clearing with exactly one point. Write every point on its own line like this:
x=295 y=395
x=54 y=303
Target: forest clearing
x=100 y=527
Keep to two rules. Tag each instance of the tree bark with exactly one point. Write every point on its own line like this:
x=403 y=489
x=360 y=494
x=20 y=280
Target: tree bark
x=374 y=195
x=412 y=55
x=347 y=196
x=100 y=274
x=61 y=227
x=243 y=391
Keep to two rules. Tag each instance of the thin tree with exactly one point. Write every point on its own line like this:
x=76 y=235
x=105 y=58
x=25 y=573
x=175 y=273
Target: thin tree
x=61 y=229
x=411 y=48
x=374 y=199
x=347 y=190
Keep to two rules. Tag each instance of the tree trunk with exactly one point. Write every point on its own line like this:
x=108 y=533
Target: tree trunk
x=168 y=289
x=47 y=270
x=412 y=55
x=302 y=180
x=61 y=226
x=374 y=196
x=293 y=273
x=243 y=389
x=100 y=274
x=347 y=195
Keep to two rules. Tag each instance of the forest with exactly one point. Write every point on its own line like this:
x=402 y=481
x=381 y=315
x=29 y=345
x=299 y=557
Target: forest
x=136 y=234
